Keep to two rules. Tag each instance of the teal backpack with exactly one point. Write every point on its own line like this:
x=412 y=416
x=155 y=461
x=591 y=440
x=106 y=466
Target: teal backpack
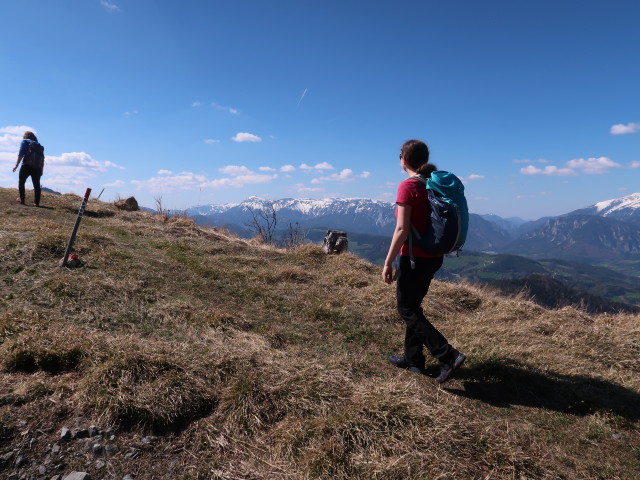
x=449 y=218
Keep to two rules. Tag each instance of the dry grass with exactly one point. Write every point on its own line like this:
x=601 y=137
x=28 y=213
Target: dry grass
x=251 y=362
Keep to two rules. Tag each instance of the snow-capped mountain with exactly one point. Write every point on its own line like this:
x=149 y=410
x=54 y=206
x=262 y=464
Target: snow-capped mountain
x=626 y=209
x=353 y=214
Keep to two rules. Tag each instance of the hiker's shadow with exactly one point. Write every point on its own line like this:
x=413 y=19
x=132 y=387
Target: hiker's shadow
x=505 y=382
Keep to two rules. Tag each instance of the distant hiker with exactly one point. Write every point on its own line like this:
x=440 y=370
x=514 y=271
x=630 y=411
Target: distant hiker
x=413 y=208
x=31 y=155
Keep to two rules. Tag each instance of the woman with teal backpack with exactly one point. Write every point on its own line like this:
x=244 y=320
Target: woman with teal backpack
x=413 y=281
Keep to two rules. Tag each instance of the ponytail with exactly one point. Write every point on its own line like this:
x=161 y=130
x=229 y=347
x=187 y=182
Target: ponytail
x=426 y=169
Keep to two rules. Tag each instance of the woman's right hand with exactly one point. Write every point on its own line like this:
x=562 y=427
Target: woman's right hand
x=387 y=274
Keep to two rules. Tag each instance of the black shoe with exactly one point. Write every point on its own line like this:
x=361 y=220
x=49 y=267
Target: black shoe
x=458 y=358
x=446 y=370
x=399 y=362
x=402 y=362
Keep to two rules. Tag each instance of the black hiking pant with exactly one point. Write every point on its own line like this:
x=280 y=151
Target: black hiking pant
x=412 y=286
x=35 y=173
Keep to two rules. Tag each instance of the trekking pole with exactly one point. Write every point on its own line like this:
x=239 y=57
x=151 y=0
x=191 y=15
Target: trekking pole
x=75 y=227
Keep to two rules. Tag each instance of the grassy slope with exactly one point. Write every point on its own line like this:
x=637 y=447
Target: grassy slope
x=250 y=362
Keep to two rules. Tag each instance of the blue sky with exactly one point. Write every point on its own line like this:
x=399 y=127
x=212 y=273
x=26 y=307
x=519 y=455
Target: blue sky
x=535 y=105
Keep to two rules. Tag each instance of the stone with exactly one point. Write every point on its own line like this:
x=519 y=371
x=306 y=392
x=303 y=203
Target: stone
x=98 y=450
x=77 y=476
x=127 y=477
x=93 y=431
x=111 y=450
x=55 y=448
x=100 y=464
x=127 y=204
x=42 y=469
x=335 y=242
x=21 y=461
x=65 y=434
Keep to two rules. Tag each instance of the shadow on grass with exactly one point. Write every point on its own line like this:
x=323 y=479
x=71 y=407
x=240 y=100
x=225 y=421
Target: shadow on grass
x=505 y=382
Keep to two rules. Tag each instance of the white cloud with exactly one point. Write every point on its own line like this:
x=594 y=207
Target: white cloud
x=622 y=129
x=17 y=130
x=196 y=104
x=593 y=166
x=190 y=181
x=233 y=111
x=211 y=140
x=550 y=170
x=73 y=171
x=267 y=169
x=346 y=175
x=239 y=181
x=307 y=190
x=117 y=183
x=317 y=167
x=235 y=170
x=167 y=183
x=10 y=142
x=287 y=168
x=546 y=194
x=473 y=176
x=109 y=6
x=246 y=137
x=132 y=112
x=634 y=165
x=78 y=159
x=323 y=166
x=481 y=199
x=254 y=178
x=165 y=172
x=12 y=137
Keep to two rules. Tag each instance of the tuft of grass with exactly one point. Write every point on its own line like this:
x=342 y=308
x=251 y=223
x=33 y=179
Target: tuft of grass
x=136 y=389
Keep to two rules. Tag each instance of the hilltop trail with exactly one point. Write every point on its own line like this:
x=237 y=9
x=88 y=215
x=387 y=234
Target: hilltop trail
x=197 y=354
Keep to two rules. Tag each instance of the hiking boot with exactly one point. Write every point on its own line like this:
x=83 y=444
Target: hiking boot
x=402 y=362
x=399 y=362
x=458 y=358
x=446 y=369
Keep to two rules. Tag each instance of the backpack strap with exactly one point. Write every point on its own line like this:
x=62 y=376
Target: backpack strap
x=414 y=230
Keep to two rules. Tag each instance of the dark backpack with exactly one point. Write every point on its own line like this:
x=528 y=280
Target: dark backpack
x=449 y=218
x=34 y=156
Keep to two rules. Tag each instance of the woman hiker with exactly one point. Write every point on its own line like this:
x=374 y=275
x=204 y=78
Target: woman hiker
x=29 y=168
x=412 y=284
